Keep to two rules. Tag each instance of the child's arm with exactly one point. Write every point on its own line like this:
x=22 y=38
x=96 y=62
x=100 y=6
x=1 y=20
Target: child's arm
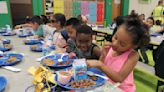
x=104 y=51
x=97 y=52
x=22 y=25
x=123 y=73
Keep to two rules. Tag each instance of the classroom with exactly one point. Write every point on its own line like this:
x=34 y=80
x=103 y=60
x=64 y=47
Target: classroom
x=81 y=46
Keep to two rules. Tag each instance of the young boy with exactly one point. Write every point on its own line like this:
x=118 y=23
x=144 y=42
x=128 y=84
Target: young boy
x=71 y=25
x=86 y=49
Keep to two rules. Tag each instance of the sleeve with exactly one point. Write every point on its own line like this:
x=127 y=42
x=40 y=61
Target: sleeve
x=39 y=32
x=71 y=46
x=60 y=41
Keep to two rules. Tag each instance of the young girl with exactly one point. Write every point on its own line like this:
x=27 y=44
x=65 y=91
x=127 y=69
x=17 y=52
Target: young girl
x=85 y=47
x=60 y=34
x=119 y=58
x=47 y=29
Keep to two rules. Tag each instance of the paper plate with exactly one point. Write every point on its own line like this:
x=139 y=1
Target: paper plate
x=55 y=59
x=23 y=36
x=99 y=82
x=8 y=34
x=32 y=42
x=2 y=32
x=3 y=83
x=53 y=47
x=5 y=49
x=39 y=48
x=3 y=60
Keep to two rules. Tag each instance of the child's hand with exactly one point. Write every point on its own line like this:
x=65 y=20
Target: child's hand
x=94 y=63
x=105 y=50
x=107 y=46
x=72 y=55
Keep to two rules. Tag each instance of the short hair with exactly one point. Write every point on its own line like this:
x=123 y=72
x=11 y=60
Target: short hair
x=37 y=19
x=59 y=17
x=27 y=19
x=44 y=19
x=160 y=2
x=85 y=29
x=119 y=20
x=74 y=22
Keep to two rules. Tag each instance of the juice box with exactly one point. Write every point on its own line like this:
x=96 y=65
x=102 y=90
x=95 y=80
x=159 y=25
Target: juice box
x=80 y=69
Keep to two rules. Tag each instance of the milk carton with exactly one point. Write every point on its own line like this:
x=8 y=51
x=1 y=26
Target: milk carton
x=80 y=69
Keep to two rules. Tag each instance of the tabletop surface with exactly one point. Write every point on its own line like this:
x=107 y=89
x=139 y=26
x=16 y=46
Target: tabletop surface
x=18 y=82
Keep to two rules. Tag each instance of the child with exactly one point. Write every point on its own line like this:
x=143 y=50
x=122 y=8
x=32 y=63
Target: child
x=36 y=24
x=83 y=19
x=47 y=29
x=86 y=49
x=142 y=17
x=26 y=24
x=71 y=25
x=119 y=58
x=60 y=35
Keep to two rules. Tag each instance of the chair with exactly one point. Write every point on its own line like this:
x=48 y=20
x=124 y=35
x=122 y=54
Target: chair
x=149 y=55
x=146 y=81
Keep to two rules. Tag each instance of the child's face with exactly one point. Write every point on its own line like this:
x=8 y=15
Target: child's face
x=149 y=22
x=142 y=17
x=71 y=32
x=122 y=41
x=34 y=26
x=83 y=41
x=55 y=24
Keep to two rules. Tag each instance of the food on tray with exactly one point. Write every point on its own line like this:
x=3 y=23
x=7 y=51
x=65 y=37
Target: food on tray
x=7 y=46
x=48 y=62
x=34 y=46
x=94 y=78
x=65 y=73
x=11 y=59
x=82 y=83
x=64 y=63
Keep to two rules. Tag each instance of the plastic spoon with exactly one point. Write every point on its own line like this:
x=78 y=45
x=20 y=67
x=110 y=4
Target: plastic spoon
x=98 y=75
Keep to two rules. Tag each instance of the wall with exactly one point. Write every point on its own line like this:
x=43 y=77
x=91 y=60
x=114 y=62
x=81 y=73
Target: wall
x=21 y=1
x=38 y=7
x=18 y=8
x=125 y=7
x=142 y=8
x=108 y=12
x=5 y=18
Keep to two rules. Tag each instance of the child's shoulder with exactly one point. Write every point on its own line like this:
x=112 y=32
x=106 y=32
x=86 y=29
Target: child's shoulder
x=133 y=55
x=96 y=50
x=95 y=47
